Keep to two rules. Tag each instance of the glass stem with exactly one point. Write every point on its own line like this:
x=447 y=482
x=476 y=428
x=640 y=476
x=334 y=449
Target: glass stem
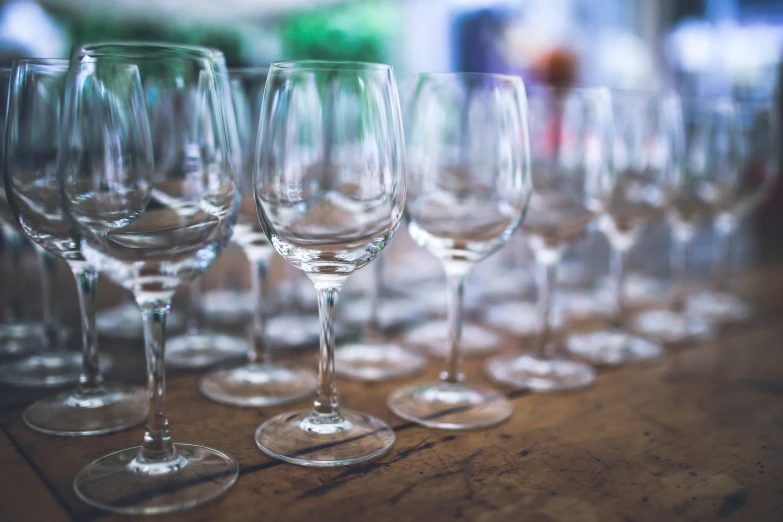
x=86 y=285
x=681 y=259
x=546 y=276
x=48 y=267
x=372 y=330
x=259 y=353
x=326 y=396
x=157 y=446
x=193 y=324
x=724 y=236
x=619 y=256
x=13 y=271
x=456 y=291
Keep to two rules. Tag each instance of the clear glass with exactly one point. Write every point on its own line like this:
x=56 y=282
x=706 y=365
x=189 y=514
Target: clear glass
x=372 y=357
x=200 y=346
x=713 y=153
x=571 y=135
x=330 y=190
x=261 y=381
x=32 y=144
x=469 y=186
x=733 y=197
x=151 y=225
x=647 y=162
x=123 y=321
x=18 y=335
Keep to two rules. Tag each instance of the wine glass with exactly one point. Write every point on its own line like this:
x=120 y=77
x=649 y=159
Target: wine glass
x=735 y=195
x=228 y=304
x=31 y=148
x=330 y=191
x=571 y=136
x=647 y=163
x=151 y=223
x=18 y=336
x=469 y=186
x=259 y=382
x=712 y=154
x=199 y=346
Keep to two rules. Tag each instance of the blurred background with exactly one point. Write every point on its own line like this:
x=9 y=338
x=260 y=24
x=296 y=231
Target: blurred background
x=696 y=46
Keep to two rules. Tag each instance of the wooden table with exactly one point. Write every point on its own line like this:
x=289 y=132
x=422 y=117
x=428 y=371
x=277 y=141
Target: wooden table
x=696 y=436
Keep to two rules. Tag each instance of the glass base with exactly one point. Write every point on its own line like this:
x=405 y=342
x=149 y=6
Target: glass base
x=393 y=312
x=230 y=307
x=585 y=304
x=308 y=439
x=258 y=385
x=670 y=326
x=450 y=406
x=120 y=483
x=203 y=350
x=20 y=338
x=124 y=322
x=720 y=307
x=112 y=408
x=477 y=341
x=521 y=318
x=613 y=348
x=45 y=371
x=377 y=361
x=295 y=330
x=540 y=375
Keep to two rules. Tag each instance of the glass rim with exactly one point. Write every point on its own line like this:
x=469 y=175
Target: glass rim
x=328 y=65
x=249 y=69
x=40 y=62
x=534 y=87
x=94 y=48
x=468 y=74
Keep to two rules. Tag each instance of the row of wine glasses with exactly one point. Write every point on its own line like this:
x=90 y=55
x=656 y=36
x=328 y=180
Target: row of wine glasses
x=140 y=162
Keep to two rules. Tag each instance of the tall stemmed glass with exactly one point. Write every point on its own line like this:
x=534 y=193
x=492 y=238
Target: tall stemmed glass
x=31 y=148
x=469 y=186
x=572 y=138
x=330 y=191
x=259 y=382
x=733 y=197
x=199 y=346
x=151 y=226
x=647 y=162
x=712 y=153
x=17 y=336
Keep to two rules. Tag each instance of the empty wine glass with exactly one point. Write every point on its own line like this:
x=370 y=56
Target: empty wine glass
x=647 y=163
x=571 y=136
x=31 y=148
x=233 y=305
x=712 y=138
x=735 y=195
x=259 y=382
x=17 y=335
x=330 y=191
x=469 y=186
x=151 y=225
x=199 y=346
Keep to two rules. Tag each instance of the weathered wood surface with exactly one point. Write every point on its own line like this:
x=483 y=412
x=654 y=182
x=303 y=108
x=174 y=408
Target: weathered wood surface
x=697 y=436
